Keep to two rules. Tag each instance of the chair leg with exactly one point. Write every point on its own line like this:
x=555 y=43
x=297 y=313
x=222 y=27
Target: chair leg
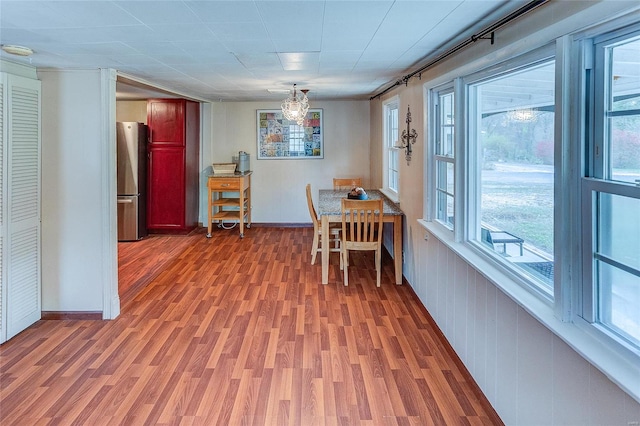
x=314 y=247
x=378 y=267
x=344 y=253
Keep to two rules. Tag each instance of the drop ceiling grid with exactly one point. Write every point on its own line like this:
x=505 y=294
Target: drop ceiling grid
x=351 y=48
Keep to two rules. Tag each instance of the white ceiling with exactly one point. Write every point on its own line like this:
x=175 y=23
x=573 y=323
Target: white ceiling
x=239 y=50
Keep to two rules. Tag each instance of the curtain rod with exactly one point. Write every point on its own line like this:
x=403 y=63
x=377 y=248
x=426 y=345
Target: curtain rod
x=480 y=36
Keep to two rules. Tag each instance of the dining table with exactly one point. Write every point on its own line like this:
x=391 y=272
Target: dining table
x=330 y=211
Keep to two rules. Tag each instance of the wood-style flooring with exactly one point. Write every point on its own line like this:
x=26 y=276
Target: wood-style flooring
x=230 y=331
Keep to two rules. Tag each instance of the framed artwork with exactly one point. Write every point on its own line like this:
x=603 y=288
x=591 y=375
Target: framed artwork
x=279 y=138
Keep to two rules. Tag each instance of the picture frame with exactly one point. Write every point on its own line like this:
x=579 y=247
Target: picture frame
x=282 y=139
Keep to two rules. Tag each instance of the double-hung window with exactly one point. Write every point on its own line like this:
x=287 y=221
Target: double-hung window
x=611 y=190
x=443 y=156
x=511 y=175
x=541 y=171
x=390 y=154
x=499 y=187
x=296 y=140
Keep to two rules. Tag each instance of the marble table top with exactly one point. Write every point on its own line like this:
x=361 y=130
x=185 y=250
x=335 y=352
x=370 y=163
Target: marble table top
x=329 y=202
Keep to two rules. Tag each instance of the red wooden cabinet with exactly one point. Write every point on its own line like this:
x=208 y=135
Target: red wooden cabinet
x=166 y=122
x=173 y=169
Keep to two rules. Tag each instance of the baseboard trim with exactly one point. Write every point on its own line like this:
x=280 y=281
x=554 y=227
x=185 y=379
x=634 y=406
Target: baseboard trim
x=264 y=225
x=66 y=315
x=172 y=231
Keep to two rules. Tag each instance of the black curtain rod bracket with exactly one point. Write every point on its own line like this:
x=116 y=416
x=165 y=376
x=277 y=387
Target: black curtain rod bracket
x=491 y=37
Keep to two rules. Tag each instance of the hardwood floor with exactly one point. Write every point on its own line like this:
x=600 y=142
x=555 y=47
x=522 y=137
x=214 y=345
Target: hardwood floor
x=234 y=331
x=139 y=262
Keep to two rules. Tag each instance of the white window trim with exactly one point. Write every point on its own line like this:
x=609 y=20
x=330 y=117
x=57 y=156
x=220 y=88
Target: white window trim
x=619 y=362
x=390 y=193
x=469 y=147
x=589 y=186
x=595 y=62
x=432 y=95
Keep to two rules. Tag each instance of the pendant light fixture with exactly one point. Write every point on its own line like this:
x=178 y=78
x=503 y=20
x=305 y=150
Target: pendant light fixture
x=17 y=50
x=296 y=106
x=523 y=114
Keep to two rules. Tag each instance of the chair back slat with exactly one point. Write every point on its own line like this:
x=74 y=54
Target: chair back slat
x=370 y=223
x=361 y=230
x=362 y=220
x=346 y=183
x=312 y=209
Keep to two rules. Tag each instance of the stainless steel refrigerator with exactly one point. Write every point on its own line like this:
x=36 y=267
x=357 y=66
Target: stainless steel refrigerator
x=132 y=180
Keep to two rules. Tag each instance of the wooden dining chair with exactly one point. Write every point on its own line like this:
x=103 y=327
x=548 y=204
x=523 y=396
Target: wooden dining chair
x=334 y=231
x=361 y=230
x=346 y=183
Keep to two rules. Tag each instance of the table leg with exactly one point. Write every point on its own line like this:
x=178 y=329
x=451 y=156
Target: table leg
x=324 y=222
x=209 y=212
x=397 y=247
x=241 y=213
x=249 y=202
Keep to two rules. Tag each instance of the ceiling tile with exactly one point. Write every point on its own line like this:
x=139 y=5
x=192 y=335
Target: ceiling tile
x=88 y=14
x=282 y=16
x=225 y=11
x=298 y=44
x=29 y=15
x=229 y=49
x=161 y=12
x=182 y=32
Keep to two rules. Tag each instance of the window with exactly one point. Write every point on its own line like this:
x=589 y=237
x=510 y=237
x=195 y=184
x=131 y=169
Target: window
x=390 y=154
x=296 y=140
x=612 y=191
x=511 y=141
x=444 y=165
x=546 y=195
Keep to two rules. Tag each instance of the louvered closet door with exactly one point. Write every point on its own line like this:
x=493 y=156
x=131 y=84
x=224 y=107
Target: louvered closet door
x=22 y=245
x=3 y=143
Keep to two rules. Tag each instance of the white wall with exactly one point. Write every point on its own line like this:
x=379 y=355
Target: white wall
x=529 y=374
x=206 y=157
x=278 y=186
x=131 y=111
x=72 y=211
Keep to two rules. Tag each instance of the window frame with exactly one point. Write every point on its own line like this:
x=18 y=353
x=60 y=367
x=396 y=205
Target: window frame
x=596 y=177
x=574 y=147
x=296 y=138
x=471 y=221
x=434 y=158
x=389 y=145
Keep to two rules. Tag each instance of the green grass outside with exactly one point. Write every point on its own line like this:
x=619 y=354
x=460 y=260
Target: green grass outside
x=524 y=210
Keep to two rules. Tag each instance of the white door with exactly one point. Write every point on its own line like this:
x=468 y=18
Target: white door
x=3 y=191
x=20 y=220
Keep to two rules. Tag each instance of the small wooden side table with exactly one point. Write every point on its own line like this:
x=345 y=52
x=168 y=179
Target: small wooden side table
x=222 y=207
